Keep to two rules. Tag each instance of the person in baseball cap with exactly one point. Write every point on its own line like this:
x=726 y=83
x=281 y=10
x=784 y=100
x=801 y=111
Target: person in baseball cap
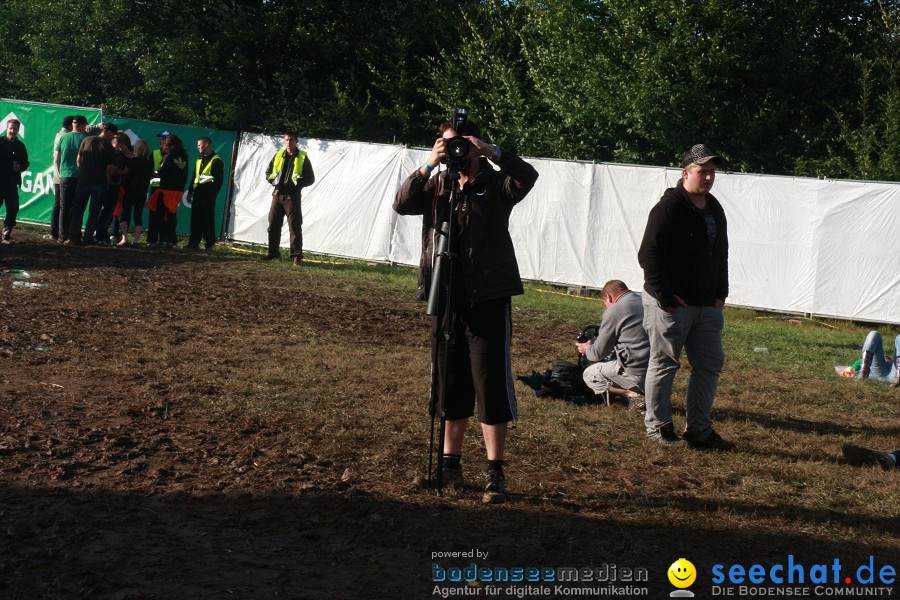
x=684 y=255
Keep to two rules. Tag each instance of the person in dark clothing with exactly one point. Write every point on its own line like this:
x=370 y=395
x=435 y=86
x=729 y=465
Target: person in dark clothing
x=164 y=201
x=96 y=168
x=13 y=160
x=684 y=255
x=140 y=170
x=122 y=151
x=289 y=171
x=206 y=181
x=487 y=278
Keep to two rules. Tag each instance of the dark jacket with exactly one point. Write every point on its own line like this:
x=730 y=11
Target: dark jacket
x=10 y=152
x=140 y=170
x=489 y=268
x=173 y=172
x=676 y=255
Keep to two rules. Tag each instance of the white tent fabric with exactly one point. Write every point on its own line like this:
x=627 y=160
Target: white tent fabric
x=796 y=245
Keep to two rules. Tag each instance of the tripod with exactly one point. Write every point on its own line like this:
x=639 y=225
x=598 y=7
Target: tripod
x=440 y=305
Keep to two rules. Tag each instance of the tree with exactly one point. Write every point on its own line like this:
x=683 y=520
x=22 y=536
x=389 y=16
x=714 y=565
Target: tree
x=868 y=143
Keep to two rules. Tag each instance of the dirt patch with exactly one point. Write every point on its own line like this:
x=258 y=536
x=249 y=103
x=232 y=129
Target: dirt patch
x=206 y=425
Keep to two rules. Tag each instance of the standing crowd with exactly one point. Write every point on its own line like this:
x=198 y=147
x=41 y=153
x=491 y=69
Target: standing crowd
x=98 y=172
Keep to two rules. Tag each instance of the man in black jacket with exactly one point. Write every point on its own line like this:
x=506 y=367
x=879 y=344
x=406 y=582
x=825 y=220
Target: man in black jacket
x=13 y=160
x=684 y=255
x=206 y=181
x=487 y=276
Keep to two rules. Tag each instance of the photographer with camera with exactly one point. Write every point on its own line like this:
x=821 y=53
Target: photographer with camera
x=621 y=334
x=482 y=281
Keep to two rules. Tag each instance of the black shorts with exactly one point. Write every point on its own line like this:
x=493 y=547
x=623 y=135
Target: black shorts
x=479 y=367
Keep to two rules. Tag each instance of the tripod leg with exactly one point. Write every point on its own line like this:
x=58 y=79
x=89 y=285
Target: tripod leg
x=440 y=467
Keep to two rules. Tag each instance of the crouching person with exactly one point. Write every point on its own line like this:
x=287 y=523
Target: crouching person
x=621 y=350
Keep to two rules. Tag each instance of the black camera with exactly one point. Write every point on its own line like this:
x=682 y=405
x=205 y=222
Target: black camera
x=587 y=334
x=458 y=147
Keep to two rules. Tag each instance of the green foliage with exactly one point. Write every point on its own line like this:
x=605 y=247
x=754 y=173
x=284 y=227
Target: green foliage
x=868 y=143
x=806 y=88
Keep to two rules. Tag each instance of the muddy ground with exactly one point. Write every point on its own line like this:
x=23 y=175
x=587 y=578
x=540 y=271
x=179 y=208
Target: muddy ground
x=206 y=425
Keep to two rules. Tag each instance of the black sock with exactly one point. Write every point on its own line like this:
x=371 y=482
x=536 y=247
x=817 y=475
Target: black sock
x=451 y=461
x=495 y=465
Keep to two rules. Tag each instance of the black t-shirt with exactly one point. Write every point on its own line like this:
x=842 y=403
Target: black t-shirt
x=139 y=172
x=96 y=154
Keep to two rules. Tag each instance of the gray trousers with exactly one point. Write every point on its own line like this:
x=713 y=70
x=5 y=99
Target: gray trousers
x=600 y=376
x=697 y=329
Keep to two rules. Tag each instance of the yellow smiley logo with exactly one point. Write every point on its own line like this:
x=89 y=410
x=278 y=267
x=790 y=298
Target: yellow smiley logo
x=682 y=573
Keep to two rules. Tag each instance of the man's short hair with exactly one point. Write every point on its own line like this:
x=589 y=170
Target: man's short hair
x=613 y=287
x=67 y=122
x=290 y=132
x=111 y=127
x=205 y=139
x=16 y=121
x=80 y=120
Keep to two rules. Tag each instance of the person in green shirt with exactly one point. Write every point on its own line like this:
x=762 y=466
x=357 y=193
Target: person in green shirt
x=65 y=155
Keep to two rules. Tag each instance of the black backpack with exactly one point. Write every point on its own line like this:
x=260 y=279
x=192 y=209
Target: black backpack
x=564 y=379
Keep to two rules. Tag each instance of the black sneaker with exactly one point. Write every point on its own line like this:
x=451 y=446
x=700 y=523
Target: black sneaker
x=452 y=478
x=713 y=441
x=494 y=487
x=666 y=436
x=857 y=455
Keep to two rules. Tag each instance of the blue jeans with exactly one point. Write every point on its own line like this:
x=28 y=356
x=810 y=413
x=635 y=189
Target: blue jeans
x=698 y=330
x=882 y=369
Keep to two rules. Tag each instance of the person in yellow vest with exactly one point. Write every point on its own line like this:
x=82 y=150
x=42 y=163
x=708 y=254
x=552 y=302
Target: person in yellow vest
x=288 y=172
x=206 y=181
x=157 y=156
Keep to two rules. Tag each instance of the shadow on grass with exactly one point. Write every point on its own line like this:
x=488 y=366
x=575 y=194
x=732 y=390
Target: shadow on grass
x=61 y=543
x=802 y=425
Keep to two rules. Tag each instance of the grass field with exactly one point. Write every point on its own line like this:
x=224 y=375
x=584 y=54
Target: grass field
x=207 y=425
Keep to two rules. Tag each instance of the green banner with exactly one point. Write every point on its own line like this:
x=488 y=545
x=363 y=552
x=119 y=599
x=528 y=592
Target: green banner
x=222 y=143
x=40 y=123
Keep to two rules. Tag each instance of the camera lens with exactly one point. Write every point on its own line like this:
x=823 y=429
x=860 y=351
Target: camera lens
x=457 y=148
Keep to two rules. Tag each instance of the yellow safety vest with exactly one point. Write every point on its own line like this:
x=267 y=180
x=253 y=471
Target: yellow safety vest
x=204 y=176
x=279 y=161
x=157 y=161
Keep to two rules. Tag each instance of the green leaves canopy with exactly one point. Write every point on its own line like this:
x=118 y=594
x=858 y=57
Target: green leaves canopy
x=806 y=87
